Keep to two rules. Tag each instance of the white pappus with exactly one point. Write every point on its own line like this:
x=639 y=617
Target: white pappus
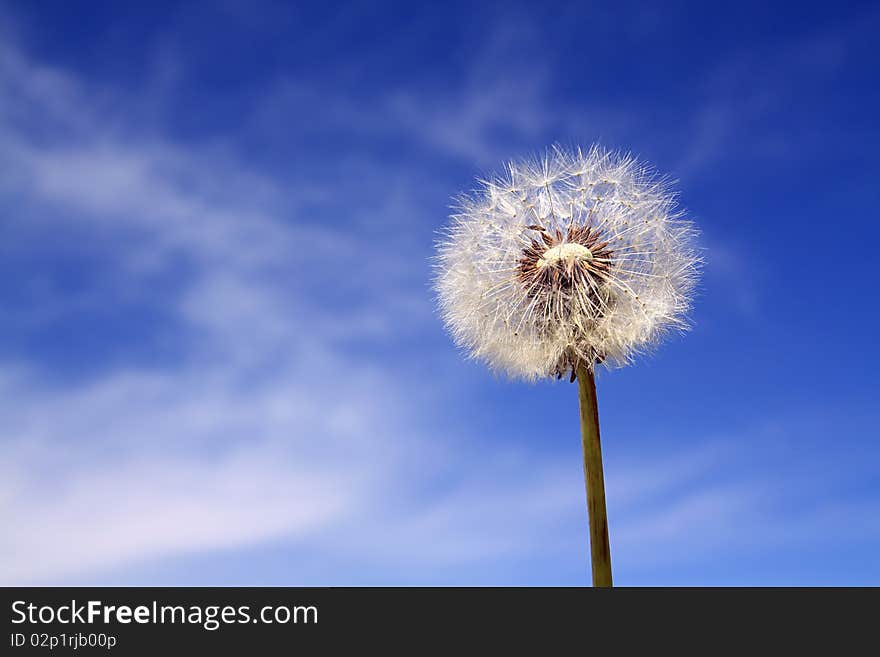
x=574 y=257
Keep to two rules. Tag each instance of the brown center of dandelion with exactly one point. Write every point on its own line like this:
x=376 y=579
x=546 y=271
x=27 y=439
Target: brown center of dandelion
x=561 y=262
x=565 y=273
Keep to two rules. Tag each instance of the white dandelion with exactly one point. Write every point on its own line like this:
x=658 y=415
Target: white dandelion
x=571 y=258
x=565 y=262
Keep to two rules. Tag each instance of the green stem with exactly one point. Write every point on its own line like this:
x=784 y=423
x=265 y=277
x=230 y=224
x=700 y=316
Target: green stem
x=600 y=547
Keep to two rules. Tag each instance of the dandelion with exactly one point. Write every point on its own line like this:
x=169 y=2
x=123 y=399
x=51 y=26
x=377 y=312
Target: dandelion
x=563 y=263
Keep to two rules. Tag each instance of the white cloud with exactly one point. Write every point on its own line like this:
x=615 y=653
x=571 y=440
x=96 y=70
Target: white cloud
x=98 y=516
x=268 y=428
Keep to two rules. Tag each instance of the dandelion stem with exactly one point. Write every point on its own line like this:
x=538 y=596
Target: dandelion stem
x=600 y=547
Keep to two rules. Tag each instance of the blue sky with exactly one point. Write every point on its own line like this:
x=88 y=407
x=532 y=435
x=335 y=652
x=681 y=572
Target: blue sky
x=219 y=357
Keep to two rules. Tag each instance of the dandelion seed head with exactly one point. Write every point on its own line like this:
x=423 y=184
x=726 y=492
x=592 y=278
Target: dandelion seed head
x=574 y=257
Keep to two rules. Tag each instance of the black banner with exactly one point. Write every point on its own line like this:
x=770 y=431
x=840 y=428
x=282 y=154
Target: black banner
x=151 y=621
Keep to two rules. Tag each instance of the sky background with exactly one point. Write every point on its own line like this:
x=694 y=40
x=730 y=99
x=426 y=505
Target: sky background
x=220 y=362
